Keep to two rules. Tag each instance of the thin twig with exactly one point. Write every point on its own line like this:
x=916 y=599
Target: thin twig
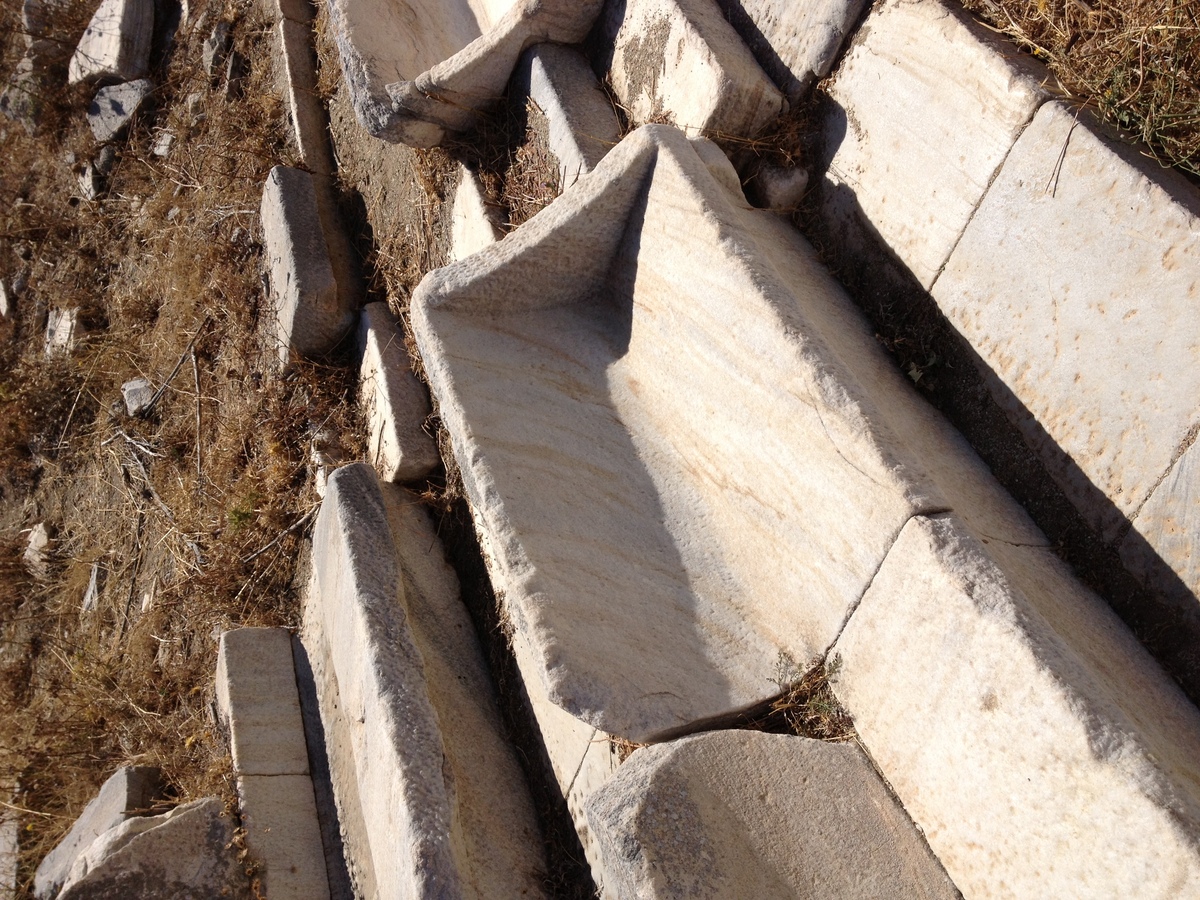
x=295 y=525
x=196 y=376
x=179 y=365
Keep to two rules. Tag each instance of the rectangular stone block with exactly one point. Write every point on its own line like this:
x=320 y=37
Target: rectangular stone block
x=280 y=818
x=1039 y=747
x=686 y=450
x=795 y=43
x=396 y=402
x=258 y=702
x=473 y=223
x=115 y=46
x=680 y=61
x=1077 y=284
x=926 y=105
x=581 y=124
x=431 y=801
x=304 y=291
x=296 y=80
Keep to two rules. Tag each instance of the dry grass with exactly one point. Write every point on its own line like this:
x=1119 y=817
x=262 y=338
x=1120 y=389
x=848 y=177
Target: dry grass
x=194 y=512
x=1136 y=62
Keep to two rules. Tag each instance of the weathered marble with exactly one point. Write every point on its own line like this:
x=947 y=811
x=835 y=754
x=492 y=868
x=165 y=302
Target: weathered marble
x=116 y=44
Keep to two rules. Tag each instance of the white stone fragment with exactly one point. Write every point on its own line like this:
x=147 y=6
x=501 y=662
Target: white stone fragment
x=680 y=60
x=473 y=222
x=90 y=181
x=417 y=68
x=279 y=814
x=430 y=799
x=1038 y=746
x=7 y=300
x=796 y=43
x=927 y=103
x=581 y=123
x=115 y=106
x=129 y=791
x=309 y=317
x=10 y=854
x=1088 y=334
x=116 y=44
x=185 y=853
x=37 y=549
x=137 y=393
x=296 y=78
x=396 y=402
x=747 y=814
x=258 y=702
x=216 y=48
x=61 y=326
x=163 y=144
x=599 y=372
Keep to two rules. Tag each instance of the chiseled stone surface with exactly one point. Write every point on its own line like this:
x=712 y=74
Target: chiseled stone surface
x=1039 y=747
x=128 y=792
x=430 y=798
x=416 y=68
x=282 y=833
x=296 y=78
x=681 y=59
x=185 y=854
x=258 y=702
x=304 y=291
x=395 y=400
x=796 y=43
x=599 y=371
x=747 y=814
x=1162 y=547
x=1089 y=334
x=925 y=106
x=114 y=107
x=581 y=123
x=116 y=44
x=473 y=223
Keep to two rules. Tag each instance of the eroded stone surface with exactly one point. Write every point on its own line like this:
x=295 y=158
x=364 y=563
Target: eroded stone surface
x=795 y=43
x=296 y=78
x=309 y=317
x=600 y=371
x=746 y=814
x=116 y=44
x=925 y=106
x=257 y=699
x=129 y=791
x=1026 y=732
x=185 y=854
x=581 y=124
x=280 y=818
x=395 y=400
x=414 y=738
x=680 y=59
x=115 y=106
x=473 y=223
x=137 y=394
x=417 y=68
x=1088 y=335
x=61 y=328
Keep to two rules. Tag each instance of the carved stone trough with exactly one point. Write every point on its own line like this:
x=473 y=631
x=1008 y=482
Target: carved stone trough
x=419 y=68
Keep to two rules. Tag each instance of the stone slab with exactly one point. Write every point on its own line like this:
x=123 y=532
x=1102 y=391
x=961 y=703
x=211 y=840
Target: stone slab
x=417 y=68
x=581 y=123
x=1088 y=335
x=137 y=394
x=114 y=108
x=185 y=854
x=473 y=223
x=747 y=814
x=681 y=61
x=61 y=330
x=258 y=703
x=926 y=105
x=304 y=292
x=1039 y=747
x=128 y=792
x=396 y=402
x=115 y=46
x=657 y=556
x=296 y=79
x=431 y=800
x=279 y=815
x=795 y=43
